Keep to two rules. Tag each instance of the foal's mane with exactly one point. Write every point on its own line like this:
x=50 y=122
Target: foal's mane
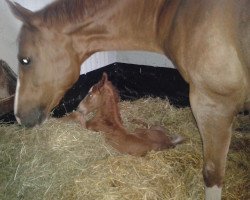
x=111 y=89
x=114 y=92
x=61 y=11
x=110 y=94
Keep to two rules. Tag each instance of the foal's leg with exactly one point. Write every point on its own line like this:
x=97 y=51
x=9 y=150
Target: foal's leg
x=74 y=117
x=214 y=115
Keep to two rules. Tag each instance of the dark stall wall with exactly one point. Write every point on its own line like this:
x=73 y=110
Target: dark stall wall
x=133 y=82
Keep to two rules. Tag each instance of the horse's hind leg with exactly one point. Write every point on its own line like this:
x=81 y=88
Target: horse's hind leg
x=214 y=115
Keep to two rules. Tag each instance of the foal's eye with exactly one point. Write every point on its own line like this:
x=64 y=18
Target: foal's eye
x=24 y=61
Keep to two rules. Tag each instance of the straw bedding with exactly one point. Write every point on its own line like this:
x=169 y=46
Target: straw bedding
x=64 y=161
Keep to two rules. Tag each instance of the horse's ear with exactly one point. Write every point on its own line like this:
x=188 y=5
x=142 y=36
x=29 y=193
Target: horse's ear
x=20 y=12
x=102 y=82
x=104 y=77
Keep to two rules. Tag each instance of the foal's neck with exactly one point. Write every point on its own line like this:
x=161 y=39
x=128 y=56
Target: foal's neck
x=110 y=113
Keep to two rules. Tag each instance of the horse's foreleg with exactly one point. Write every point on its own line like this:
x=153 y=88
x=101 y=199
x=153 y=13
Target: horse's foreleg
x=74 y=117
x=214 y=116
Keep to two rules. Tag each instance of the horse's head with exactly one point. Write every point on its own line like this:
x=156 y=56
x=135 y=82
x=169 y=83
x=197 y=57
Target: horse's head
x=48 y=66
x=96 y=96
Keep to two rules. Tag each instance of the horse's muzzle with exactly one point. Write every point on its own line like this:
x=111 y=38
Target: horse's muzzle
x=29 y=119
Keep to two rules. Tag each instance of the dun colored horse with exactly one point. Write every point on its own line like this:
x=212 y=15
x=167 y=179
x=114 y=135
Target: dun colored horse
x=103 y=100
x=208 y=42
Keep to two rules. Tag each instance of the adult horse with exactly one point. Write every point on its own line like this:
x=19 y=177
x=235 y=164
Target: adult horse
x=208 y=41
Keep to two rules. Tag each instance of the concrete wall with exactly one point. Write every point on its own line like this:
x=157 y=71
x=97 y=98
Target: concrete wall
x=9 y=28
x=101 y=59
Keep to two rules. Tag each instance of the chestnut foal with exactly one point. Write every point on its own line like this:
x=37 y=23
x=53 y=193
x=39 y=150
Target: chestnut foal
x=103 y=100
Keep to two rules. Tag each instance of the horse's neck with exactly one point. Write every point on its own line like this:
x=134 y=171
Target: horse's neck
x=109 y=115
x=110 y=111
x=122 y=26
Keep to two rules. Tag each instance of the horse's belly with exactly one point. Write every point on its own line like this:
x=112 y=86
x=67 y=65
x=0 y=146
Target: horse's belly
x=243 y=33
x=247 y=102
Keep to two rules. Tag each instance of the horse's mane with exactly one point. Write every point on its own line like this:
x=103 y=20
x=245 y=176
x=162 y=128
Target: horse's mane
x=112 y=94
x=61 y=11
x=115 y=92
x=111 y=88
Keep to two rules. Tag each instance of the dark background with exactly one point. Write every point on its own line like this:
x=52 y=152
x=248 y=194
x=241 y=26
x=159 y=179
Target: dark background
x=132 y=81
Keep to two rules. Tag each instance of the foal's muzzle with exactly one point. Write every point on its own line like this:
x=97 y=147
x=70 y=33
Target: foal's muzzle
x=29 y=119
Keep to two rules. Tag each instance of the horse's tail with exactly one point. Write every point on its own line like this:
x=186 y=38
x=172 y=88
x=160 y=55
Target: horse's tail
x=177 y=139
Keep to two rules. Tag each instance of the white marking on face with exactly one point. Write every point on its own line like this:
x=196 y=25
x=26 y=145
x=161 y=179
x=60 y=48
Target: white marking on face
x=213 y=193
x=16 y=100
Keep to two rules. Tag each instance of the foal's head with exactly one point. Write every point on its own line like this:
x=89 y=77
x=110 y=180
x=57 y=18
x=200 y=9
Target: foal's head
x=48 y=66
x=102 y=95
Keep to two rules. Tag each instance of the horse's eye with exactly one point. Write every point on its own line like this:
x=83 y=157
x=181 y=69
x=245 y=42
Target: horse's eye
x=24 y=61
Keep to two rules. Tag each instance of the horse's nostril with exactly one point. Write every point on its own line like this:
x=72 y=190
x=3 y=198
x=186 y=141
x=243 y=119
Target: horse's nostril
x=31 y=118
x=41 y=117
x=38 y=115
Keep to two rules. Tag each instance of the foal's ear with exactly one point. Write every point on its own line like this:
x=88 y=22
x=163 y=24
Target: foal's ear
x=20 y=12
x=102 y=82
x=104 y=77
